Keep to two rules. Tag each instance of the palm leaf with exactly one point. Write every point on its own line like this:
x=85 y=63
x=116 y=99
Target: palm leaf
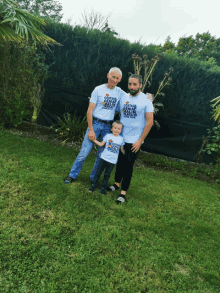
x=17 y=24
x=216 y=111
x=217 y=101
x=8 y=34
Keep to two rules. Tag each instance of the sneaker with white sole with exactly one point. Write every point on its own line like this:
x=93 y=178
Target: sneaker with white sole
x=120 y=199
x=112 y=188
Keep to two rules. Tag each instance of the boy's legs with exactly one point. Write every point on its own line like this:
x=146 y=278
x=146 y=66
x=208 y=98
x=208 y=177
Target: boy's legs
x=120 y=166
x=108 y=169
x=119 y=171
x=99 y=170
x=106 y=128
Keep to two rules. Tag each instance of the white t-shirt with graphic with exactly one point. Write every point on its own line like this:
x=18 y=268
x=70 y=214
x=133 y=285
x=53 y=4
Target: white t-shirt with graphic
x=106 y=101
x=133 y=115
x=112 y=147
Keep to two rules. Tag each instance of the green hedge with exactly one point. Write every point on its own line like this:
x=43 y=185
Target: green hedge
x=194 y=84
x=86 y=56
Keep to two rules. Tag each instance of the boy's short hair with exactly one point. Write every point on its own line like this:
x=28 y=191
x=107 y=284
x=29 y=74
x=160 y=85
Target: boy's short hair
x=116 y=69
x=117 y=122
x=139 y=77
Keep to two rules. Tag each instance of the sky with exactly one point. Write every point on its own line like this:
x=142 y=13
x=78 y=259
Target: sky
x=151 y=21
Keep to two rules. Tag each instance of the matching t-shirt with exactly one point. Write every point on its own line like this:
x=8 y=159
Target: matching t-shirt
x=106 y=101
x=112 y=147
x=133 y=109
x=133 y=115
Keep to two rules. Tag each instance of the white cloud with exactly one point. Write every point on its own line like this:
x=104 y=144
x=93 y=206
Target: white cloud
x=153 y=20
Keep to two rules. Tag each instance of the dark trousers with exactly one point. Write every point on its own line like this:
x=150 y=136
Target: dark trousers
x=108 y=167
x=124 y=167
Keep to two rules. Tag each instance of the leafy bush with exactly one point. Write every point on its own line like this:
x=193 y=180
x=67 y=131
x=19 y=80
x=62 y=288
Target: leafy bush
x=71 y=127
x=213 y=147
x=22 y=76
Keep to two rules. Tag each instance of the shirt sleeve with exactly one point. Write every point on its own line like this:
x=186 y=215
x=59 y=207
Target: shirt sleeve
x=149 y=106
x=117 y=109
x=105 y=138
x=123 y=142
x=122 y=93
x=94 y=96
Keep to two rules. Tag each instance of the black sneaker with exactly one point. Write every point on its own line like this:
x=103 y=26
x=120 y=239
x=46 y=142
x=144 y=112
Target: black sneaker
x=112 y=188
x=120 y=199
x=68 y=180
x=92 y=188
x=102 y=191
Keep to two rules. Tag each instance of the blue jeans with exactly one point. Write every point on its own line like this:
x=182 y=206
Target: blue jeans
x=100 y=129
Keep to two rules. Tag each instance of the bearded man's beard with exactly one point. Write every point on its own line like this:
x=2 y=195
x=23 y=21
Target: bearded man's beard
x=133 y=92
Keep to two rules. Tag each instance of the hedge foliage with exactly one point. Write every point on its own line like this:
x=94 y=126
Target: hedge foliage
x=86 y=56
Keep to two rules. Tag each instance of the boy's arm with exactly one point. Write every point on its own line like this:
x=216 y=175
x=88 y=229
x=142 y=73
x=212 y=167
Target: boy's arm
x=122 y=150
x=101 y=144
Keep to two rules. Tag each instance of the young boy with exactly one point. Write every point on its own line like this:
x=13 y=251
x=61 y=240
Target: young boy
x=109 y=157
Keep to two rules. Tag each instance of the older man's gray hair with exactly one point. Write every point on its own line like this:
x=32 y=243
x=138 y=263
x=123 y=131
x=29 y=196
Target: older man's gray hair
x=116 y=69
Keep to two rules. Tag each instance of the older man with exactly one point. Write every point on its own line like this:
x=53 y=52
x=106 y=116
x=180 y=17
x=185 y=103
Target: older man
x=137 y=119
x=100 y=114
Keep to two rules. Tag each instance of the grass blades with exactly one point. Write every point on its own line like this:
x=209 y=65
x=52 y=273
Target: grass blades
x=62 y=238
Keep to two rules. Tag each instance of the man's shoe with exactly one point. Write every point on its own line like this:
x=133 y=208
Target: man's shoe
x=120 y=199
x=68 y=180
x=112 y=188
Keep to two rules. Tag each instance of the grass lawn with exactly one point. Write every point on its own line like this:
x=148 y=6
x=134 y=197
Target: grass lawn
x=62 y=238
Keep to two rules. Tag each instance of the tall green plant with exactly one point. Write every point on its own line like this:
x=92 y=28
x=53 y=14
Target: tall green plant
x=23 y=73
x=212 y=146
x=148 y=67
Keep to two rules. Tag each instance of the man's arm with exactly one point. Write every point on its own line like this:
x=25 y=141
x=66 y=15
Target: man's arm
x=91 y=134
x=147 y=128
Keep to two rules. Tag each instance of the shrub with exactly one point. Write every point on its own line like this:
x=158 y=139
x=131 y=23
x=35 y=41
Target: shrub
x=22 y=76
x=213 y=148
x=71 y=127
